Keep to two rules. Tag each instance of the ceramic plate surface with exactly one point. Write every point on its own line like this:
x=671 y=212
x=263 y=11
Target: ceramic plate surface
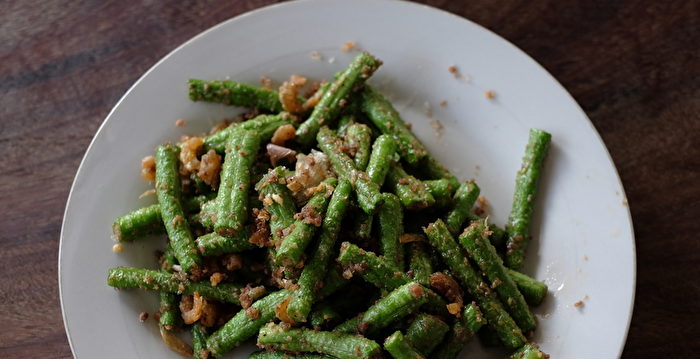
x=583 y=247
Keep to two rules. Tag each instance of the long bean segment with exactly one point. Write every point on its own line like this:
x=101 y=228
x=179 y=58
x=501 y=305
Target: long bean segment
x=245 y=324
x=400 y=348
x=131 y=278
x=212 y=244
x=169 y=192
x=475 y=240
x=441 y=190
x=419 y=265
x=138 y=223
x=463 y=200
x=387 y=120
x=528 y=176
x=412 y=192
x=533 y=290
x=278 y=200
x=384 y=275
x=335 y=344
x=382 y=157
x=401 y=302
x=264 y=125
x=390 y=217
x=169 y=310
x=375 y=270
x=425 y=332
x=234 y=93
x=199 y=342
x=498 y=317
x=337 y=96
x=303 y=298
x=147 y=220
x=349 y=326
x=305 y=225
x=368 y=194
x=232 y=199
x=359 y=139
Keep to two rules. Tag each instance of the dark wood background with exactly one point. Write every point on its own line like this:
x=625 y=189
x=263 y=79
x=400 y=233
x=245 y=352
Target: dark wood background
x=634 y=66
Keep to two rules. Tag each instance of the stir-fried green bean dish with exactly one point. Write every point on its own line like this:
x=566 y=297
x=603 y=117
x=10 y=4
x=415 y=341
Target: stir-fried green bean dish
x=319 y=225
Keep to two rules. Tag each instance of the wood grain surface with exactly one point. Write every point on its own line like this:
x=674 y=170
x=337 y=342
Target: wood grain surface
x=634 y=66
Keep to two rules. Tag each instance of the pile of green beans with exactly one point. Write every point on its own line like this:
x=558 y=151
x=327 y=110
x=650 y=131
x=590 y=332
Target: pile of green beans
x=325 y=258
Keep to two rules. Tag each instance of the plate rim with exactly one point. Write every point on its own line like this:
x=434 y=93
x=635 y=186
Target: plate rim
x=424 y=7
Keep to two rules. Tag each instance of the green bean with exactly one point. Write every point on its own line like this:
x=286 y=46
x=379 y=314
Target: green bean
x=234 y=93
x=213 y=244
x=199 y=342
x=168 y=190
x=441 y=190
x=349 y=326
x=528 y=351
x=304 y=227
x=533 y=290
x=498 y=235
x=390 y=217
x=344 y=122
x=440 y=238
x=264 y=125
x=284 y=355
x=399 y=303
x=381 y=159
x=337 y=96
x=368 y=194
x=475 y=240
x=383 y=115
x=148 y=220
x=518 y=227
x=420 y=266
x=138 y=223
x=400 y=348
x=245 y=324
x=277 y=200
x=169 y=309
x=375 y=270
x=359 y=138
x=303 y=298
x=431 y=168
x=464 y=199
x=339 y=345
x=131 y=278
x=473 y=318
x=412 y=192
x=384 y=275
x=461 y=332
x=425 y=332
x=232 y=199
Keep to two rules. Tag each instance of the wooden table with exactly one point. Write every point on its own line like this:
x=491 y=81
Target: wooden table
x=634 y=66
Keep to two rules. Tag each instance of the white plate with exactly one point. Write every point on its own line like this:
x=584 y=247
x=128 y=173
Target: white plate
x=584 y=248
